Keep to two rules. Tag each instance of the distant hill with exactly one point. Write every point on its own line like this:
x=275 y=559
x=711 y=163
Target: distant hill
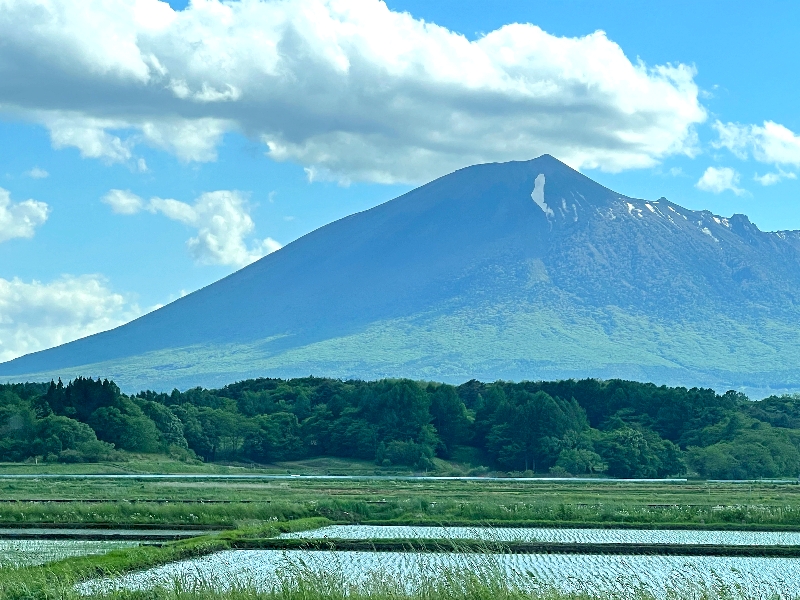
x=519 y=270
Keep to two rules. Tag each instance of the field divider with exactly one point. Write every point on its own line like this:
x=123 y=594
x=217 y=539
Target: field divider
x=125 y=501
x=483 y=546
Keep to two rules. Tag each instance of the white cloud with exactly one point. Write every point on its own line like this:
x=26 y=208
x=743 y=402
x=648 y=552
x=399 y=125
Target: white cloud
x=771 y=143
x=36 y=315
x=89 y=136
x=20 y=220
x=189 y=140
x=314 y=174
x=773 y=178
x=346 y=87
x=734 y=137
x=718 y=180
x=222 y=220
x=37 y=173
x=123 y=202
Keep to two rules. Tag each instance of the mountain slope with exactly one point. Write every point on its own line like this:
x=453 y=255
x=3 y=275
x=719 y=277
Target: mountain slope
x=514 y=270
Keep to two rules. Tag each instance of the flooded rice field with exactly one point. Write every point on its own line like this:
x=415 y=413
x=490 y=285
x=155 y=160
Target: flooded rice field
x=265 y=569
x=19 y=553
x=96 y=533
x=552 y=535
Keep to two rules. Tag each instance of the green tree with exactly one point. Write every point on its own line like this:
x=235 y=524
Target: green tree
x=126 y=427
x=169 y=426
x=275 y=438
x=69 y=440
x=450 y=417
x=580 y=461
x=529 y=427
x=634 y=453
x=17 y=427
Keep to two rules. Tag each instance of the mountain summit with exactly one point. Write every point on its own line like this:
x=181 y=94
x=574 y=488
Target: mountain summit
x=519 y=270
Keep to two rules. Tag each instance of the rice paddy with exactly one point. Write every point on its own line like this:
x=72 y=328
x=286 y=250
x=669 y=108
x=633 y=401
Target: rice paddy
x=409 y=573
x=542 y=534
x=18 y=553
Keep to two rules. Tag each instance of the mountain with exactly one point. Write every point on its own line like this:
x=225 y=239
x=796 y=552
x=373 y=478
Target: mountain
x=519 y=270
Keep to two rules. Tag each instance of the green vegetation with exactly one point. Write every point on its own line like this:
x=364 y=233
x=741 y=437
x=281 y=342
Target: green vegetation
x=452 y=586
x=589 y=427
x=241 y=503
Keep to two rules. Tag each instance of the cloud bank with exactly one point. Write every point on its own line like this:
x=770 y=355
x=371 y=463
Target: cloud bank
x=36 y=315
x=222 y=220
x=20 y=220
x=346 y=87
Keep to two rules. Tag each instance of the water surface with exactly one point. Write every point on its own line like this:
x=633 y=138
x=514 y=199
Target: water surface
x=96 y=532
x=17 y=553
x=263 y=569
x=553 y=535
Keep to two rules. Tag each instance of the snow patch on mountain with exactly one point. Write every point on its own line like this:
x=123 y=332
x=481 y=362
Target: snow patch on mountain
x=632 y=209
x=537 y=195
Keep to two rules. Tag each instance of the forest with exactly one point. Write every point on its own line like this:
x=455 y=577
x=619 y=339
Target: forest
x=611 y=428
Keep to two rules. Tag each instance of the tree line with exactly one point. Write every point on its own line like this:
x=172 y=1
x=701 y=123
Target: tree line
x=575 y=427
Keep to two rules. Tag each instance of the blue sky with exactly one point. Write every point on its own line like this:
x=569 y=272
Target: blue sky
x=72 y=130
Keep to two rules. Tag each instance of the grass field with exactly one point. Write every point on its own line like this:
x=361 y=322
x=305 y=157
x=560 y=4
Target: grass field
x=466 y=461
x=234 y=503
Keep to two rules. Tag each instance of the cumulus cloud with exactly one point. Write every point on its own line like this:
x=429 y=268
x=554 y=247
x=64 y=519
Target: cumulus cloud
x=37 y=173
x=20 y=220
x=718 y=180
x=123 y=202
x=222 y=220
x=343 y=87
x=36 y=315
x=770 y=143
